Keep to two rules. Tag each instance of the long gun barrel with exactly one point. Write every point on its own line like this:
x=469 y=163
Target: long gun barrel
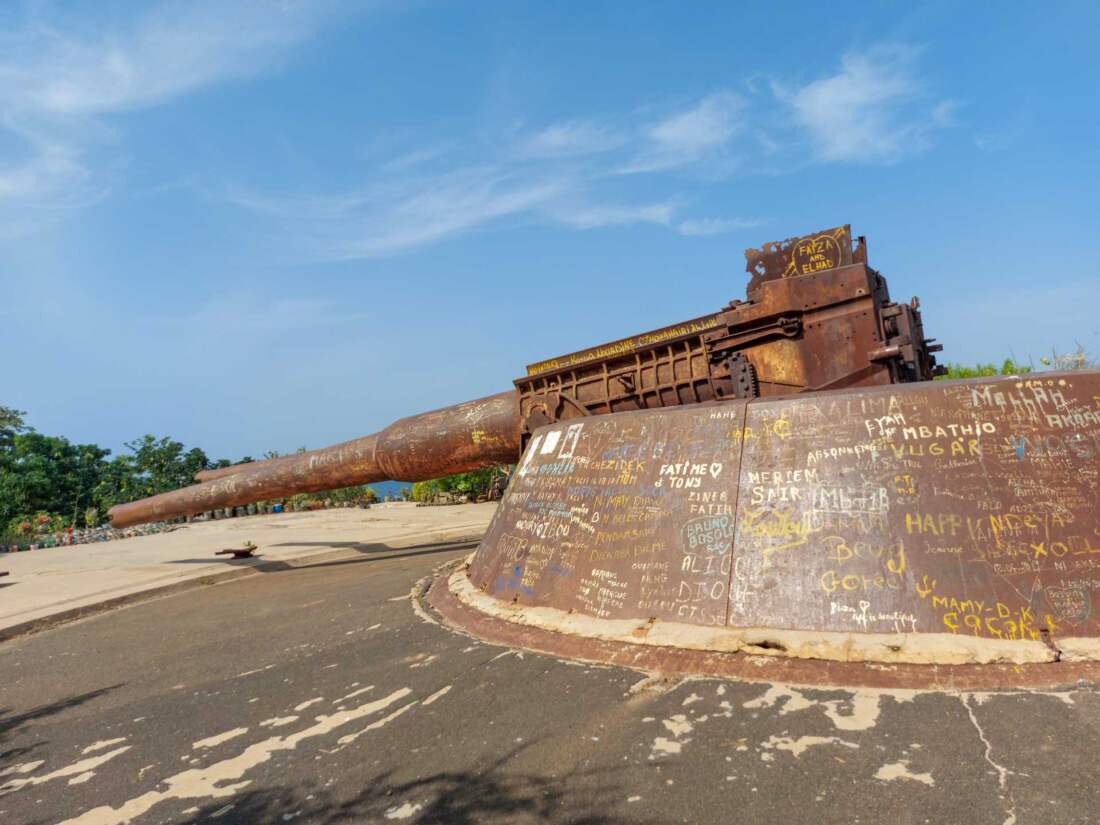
x=817 y=318
x=463 y=437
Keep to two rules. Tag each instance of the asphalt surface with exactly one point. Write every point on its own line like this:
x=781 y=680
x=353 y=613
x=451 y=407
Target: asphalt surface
x=318 y=695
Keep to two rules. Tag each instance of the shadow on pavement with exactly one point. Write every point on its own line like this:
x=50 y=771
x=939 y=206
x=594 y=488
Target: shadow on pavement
x=370 y=552
x=11 y=722
x=490 y=794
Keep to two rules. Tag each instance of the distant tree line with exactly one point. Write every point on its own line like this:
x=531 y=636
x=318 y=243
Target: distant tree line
x=48 y=483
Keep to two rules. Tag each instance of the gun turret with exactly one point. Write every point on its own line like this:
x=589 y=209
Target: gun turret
x=817 y=317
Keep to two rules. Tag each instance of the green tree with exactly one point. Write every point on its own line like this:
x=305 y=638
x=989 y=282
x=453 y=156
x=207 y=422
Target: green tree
x=11 y=424
x=473 y=484
x=1008 y=367
x=355 y=495
x=161 y=463
x=41 y=473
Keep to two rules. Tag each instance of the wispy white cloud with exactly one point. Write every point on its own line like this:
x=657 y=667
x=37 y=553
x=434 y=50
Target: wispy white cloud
x=414 y=159
x=594 y=216
x=715 y=226
x=172 y=49
x=688 y=136
x=603 y=171
x=873 y=110
x=390 y=216
x=61 y=79
x=62 y=84
x=570 y=139
x=435 y=208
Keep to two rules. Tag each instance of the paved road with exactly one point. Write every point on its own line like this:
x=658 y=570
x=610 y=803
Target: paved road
x=318 y=695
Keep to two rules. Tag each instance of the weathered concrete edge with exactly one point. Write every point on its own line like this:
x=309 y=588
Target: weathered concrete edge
x=84 y=611
x=887 y=648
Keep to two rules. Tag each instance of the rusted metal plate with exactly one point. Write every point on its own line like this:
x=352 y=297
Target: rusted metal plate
x=625 y=346
x=954 y=507
x=624 y=516
x=802 y=255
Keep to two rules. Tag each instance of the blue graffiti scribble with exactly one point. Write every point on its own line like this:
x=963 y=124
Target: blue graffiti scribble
x=1021 y=444
x=512 y=582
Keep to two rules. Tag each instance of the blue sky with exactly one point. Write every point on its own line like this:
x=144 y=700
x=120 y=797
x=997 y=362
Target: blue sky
x=256 y=226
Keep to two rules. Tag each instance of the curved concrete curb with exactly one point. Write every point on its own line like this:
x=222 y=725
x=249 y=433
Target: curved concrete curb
x=435 y=600
x=888 y=648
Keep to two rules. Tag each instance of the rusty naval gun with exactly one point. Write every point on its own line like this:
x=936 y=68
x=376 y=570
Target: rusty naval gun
x=815 y=317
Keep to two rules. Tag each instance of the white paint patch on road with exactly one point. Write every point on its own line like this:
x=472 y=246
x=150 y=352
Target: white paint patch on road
x=278 y=721
x=795 y=701
x=80 y=780
x=403 y=811
x=864 y=715
x=75 y=769
x=800 y=745
x=303 y=705
x=900 y=770
x=25 y=767
x=217 y=739
x=863 y=706
x=224 y=778
x=424 y=662
x=663 y=746
x=249 y=672
x=352 y=695
x=438 y=694
x=691 y=700
x=678 y=725
x=385 y=720
x=98 y=746
x=362 y=629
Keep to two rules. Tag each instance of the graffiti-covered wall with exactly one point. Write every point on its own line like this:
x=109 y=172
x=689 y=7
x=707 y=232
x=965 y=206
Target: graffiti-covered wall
x=955 y=507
